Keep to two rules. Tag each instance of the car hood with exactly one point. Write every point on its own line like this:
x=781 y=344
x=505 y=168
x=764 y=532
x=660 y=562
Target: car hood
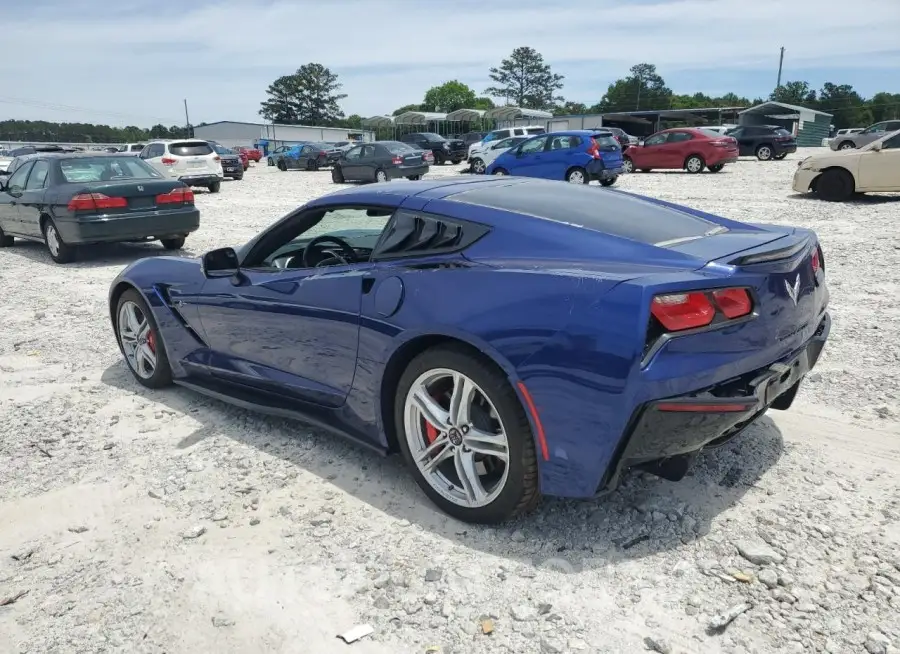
x=836 y=158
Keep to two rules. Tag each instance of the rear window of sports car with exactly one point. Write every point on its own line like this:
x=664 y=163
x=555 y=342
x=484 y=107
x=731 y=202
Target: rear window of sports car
x=617 y=214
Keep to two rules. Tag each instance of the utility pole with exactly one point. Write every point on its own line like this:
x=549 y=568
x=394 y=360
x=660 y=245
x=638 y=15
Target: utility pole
x=780 y=63
x=187 y=121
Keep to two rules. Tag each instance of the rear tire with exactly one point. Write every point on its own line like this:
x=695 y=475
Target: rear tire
x=215 y=187
x=478 y=166
x=627 y=165
x=694 y=164
x=337 y=175
x=646 y=170
x=59 y=251
x=414 y=178
x=380 y=176
x=519 y=492
x=609 y=182
x=835 y=185
x=764 y=153
x=500 y=171
x=716 y=168
x=172 y=243
x=456 y=161
x=6 y=241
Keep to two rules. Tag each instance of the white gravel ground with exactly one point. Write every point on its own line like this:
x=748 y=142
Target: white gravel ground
x=137 y=521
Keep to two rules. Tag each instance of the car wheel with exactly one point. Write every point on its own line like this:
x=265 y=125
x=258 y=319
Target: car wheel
x=577 y=176
x=465 y=435
x=835 y=185
x=716 y=168
x=694 y=164
x=500 y=171
x=478 y=166
x=172 y=243
x=312 y=165
x=646 y=170
x=627 y=165
x=764 y=153
x=140 y=341
x=281 y=165
x=380 y=176
x=439 y=159
x=6 y=241
x=456 y=161
x=59 y=251
x=269 y=161
x=414 y=178
x=781 y=156
x=337 y=175
x=846 y=145
x=215 y=187
x=609 y=182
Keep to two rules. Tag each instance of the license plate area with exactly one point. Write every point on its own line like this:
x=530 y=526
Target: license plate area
x=780 y=377
x=141 y=203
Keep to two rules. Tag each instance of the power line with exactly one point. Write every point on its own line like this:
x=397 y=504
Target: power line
x=39 y=104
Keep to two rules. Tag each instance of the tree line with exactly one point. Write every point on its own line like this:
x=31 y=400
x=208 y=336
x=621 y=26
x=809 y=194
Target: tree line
x=312 y=96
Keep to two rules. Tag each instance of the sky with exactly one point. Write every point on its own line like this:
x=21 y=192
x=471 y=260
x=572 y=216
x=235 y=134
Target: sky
x=135 y=61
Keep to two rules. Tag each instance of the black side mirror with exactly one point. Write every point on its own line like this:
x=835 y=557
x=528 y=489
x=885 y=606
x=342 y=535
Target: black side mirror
x=3 y=183
x=220 y=263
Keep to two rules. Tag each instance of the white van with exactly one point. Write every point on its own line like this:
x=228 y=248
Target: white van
x=507 y=132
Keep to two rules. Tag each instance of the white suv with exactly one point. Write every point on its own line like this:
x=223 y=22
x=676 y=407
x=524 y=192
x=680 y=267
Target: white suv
x=507 y=132
x=193 y=161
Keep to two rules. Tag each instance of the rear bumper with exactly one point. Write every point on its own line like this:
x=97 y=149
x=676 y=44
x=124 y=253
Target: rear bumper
x=786 y=148
x=200 y=180
x=233 y=170
x=131 y=227
x=597 y=170
x=406 y=171
x=685 y=424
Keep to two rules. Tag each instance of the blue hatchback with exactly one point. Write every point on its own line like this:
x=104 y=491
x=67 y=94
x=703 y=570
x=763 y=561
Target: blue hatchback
x=576 y=156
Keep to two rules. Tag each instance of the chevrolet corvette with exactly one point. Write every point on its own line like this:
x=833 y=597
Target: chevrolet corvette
x=509 y=337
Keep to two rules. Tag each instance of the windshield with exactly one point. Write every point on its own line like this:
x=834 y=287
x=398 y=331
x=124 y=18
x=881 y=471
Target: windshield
x=221 y=150
x=105 y=169
x=395 y=147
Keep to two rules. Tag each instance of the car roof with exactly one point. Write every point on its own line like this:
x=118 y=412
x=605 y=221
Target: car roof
x=89 y=154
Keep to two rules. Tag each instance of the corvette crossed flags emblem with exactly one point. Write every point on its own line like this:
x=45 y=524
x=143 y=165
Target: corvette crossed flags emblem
x=793 y=291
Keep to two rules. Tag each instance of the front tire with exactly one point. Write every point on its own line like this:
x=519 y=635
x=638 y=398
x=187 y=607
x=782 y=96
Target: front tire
x=478 y=166
x=456 y=161
x=716 y=168
x=835 y=185
x=479 y=463
x=694 y=164
x=337 y=175
x=312 y=165
x=59 y=251
x=172 y=243
x=140 y=341
x=215 y=187
x=627 y=165
x=609 y=182
x=764 y=153
x=269 y=161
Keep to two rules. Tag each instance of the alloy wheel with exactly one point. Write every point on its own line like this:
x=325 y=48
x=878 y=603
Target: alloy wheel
x=380 y=176
x=764 y=153
x=628 y=165
x=478 y=166
x=52 y=239
x=576 y=177
x=137 y=339
x=456 y=438
x=847 y=146
x=694 y=165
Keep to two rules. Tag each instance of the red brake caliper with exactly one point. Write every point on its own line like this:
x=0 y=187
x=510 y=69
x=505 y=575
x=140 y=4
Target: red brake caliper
x=151 y=341
x=431 y=432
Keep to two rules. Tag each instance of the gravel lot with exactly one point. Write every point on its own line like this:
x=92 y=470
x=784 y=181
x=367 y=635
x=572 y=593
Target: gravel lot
x=138 y=521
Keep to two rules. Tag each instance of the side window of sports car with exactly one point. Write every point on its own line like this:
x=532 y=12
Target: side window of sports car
x=343 y=236
x=416 y=234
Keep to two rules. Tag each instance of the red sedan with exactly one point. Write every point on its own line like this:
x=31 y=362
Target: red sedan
x=245 y=159
x=254 y=154
x=682 y=148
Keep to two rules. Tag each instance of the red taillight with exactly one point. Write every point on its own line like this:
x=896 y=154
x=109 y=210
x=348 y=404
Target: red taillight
x=95 y=202
x=397 y=161
x=816 y=262
x=180 y=195
x=594 y=149
x=733 y=302
x=217 y=158
x=168 y=161
x=680 y=311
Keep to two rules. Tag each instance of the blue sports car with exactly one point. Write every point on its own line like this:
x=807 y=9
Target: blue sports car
x=511 y=337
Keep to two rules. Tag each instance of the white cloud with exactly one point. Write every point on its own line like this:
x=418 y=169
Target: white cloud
x=135 y=65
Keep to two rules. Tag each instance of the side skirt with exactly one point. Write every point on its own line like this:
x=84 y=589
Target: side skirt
x=253 y=400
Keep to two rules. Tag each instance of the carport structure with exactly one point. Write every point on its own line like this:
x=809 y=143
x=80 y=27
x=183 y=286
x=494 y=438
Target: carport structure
x=510 y=116
x=383 y=126
x=420 y=121
x=473 y=119
x=644 y=123
x=808 y=125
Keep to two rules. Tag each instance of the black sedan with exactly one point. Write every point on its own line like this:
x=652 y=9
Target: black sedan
x=381 y=162
x=74 y=199
x=231 y=162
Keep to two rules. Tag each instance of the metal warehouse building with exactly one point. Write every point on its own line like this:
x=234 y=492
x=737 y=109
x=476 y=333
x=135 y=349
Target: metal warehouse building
x=808 y=125
x=231 y=134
